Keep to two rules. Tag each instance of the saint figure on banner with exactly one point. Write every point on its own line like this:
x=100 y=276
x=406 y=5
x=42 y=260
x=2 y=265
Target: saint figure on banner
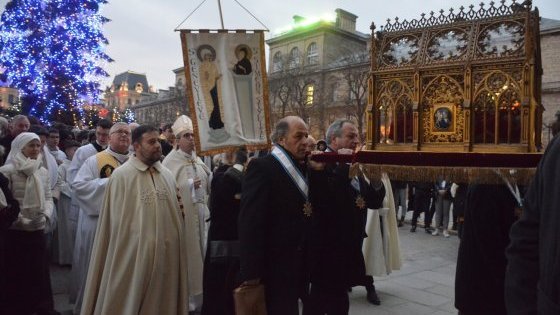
x=243 y=65
x=243 y=83
x=210 y=78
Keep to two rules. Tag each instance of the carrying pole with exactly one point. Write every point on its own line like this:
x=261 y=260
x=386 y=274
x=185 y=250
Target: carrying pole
x=221 y=15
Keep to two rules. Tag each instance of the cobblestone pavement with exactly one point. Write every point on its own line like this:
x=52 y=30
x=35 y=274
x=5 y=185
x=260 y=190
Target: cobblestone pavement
x=424 y=285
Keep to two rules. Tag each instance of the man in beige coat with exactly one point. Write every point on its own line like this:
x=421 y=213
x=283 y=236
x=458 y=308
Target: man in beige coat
x=138 y=263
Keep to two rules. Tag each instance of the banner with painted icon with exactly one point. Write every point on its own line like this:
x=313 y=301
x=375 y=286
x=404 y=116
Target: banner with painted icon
x=227 y=89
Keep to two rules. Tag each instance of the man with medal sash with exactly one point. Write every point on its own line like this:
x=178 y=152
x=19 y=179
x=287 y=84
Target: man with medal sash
x=89 y=190
x=340 y=206
x=275 y=218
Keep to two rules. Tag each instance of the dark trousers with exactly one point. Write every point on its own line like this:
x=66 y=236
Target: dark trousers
x=219 y=281
x=327 y=300
x=28 y=283
x=285 y=288
x=422 y=204
x=281 y=300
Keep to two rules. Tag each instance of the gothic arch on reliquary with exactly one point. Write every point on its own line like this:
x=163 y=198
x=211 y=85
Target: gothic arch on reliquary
x=467 y=80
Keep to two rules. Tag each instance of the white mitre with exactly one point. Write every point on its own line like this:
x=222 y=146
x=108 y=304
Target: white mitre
x=181 y=125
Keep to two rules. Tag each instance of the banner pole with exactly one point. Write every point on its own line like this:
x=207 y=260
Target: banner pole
x=221 y=15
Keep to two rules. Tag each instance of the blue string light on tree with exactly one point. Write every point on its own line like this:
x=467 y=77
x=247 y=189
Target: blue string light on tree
x=53 y=51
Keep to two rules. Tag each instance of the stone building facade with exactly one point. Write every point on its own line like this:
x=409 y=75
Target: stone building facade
x=550 y=48
x=128 y=88
x=165 y=106
x=8 y=97
x=313 y=69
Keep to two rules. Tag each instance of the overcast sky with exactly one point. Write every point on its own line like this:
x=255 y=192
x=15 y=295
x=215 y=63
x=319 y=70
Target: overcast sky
x=141 y=36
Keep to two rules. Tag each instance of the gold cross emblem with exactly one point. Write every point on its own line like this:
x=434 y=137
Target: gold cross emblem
x=307 y=209
x=360 y=202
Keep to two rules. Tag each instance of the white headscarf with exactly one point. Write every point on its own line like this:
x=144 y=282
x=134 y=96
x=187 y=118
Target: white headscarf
x=34 y=196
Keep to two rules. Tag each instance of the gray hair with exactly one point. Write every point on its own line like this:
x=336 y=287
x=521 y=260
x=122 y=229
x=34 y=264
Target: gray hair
x=335 y=129
x=117 y=125
x=17 y=118
x=280 y=130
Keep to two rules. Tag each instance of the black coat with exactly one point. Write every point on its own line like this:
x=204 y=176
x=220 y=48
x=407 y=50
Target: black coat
x=339 y=226
x=220 y=273
x=481 y=264
x=7 y=216
x=533 y=273
x=272 y=227
x=224 y=205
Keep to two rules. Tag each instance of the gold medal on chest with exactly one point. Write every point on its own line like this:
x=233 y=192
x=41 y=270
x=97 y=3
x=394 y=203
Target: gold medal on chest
x=518 y=212
x=360 y=202
x=307 y=209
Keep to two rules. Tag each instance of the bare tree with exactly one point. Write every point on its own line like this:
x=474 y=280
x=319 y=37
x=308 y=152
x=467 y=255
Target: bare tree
x=354 y=69
x=290 y=87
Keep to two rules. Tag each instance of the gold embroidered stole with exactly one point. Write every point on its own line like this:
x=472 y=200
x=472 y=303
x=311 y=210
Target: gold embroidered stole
x=106 y=164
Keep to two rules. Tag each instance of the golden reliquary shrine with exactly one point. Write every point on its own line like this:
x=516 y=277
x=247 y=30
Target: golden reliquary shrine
x=455 y=95
x=464 y=81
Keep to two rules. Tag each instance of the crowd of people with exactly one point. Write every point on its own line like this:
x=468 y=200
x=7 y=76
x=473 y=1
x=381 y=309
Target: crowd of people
x=150 y=227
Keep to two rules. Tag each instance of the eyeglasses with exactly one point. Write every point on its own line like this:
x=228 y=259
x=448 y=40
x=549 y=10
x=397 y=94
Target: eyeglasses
x=188 y=135
x=122 y=132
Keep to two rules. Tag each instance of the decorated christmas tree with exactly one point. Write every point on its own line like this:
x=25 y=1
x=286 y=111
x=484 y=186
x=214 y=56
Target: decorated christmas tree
x=53 y=52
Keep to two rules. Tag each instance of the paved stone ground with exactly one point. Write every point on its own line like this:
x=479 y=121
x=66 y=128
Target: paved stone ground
x=424 y=285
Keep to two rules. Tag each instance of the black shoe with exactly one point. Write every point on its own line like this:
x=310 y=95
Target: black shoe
x=400 y=223
x=413 y=229
x=372 y=297
x=429 y=230
x=454 y=227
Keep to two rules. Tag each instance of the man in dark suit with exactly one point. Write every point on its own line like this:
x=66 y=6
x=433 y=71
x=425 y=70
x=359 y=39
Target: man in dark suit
x=533 y=255
x=274 y=220
x=340 y=206
x=221 y=263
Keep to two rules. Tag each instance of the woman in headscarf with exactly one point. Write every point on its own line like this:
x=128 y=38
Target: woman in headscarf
x=28 y=288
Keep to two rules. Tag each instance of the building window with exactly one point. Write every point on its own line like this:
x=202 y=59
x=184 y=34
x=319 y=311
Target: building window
x=11 y=99
x=354 y=90
x=129 y=101
x=335 y=92
x=312 y=54
x=139 y=88
x=309 y=94
x=277 y=62
x=294 y=58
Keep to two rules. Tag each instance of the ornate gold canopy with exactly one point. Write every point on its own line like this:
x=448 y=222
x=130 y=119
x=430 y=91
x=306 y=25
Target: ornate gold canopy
x=466 y=81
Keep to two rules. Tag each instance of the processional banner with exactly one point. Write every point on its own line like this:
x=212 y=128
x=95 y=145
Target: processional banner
x=227 y=89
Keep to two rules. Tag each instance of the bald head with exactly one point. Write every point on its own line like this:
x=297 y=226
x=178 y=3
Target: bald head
x=311 y=145
x=291 y=133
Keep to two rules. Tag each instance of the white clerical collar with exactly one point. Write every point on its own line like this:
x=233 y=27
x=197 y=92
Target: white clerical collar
x=121 y=157
x=238 y=167
x=188 y=155
x=102 y=146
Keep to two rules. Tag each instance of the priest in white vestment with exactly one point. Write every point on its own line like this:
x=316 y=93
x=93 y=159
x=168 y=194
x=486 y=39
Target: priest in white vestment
x=65 y=233
x=84 y=152
x=80 y=156
x=138 y=263
x=89 y=190
x=381 y=248
x=193 y=180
